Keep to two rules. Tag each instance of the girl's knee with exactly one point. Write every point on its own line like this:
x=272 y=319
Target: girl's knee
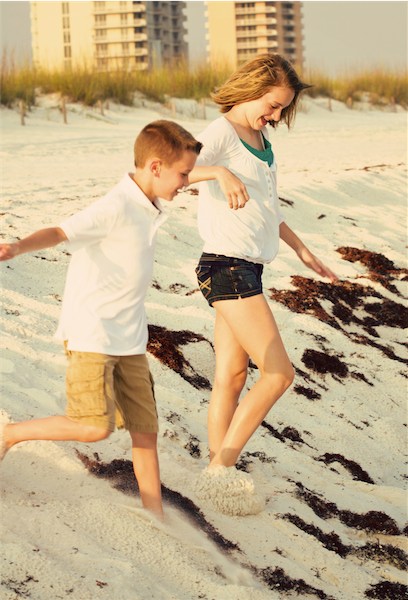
x=231 y=381
x=289 y=376
x=281 y=380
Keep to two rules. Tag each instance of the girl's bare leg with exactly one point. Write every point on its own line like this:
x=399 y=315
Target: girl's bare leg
x=231 y=364
x=253 y=326
x=147 y=471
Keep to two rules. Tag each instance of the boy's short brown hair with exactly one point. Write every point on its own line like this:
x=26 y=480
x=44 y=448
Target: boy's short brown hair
x=165 y=140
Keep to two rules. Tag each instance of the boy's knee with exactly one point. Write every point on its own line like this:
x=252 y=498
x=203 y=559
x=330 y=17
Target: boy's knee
x=94 y=434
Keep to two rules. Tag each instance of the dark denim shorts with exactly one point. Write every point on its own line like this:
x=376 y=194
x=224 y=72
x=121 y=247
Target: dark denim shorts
x=226 y=278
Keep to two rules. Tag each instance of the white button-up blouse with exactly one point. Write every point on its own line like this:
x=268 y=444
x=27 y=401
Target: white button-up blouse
x=251 y=232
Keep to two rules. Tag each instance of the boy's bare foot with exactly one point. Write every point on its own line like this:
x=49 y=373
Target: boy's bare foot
x=4 y=420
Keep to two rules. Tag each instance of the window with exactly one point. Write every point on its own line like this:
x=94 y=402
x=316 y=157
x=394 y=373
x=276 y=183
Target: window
x=123 y=19
x=100 y=19
x=65 y=22
x=67 y=51
x=65 y=8
x=102 y=49
x=67 y=37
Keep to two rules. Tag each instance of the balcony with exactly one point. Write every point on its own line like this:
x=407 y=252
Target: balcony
x=139 y=52
x=138 y=23
x=254 y=35
x=258 y=44
x=256 y=20
x=258 y=8
x=119 y=9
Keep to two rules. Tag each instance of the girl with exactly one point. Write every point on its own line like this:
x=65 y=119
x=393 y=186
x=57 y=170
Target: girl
x=237 y=161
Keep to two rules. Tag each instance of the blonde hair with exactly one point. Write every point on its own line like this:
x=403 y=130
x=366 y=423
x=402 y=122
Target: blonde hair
x=256 y=78
x=165 y=140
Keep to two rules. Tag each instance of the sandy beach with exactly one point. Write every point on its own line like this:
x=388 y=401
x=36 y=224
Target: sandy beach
x=329 y=457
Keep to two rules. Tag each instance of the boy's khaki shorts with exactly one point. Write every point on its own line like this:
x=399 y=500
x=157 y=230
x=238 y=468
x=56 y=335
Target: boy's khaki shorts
x=105 y=391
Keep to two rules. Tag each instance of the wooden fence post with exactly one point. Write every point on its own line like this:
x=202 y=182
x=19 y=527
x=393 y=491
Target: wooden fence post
x=64 y=110
x=22 y=112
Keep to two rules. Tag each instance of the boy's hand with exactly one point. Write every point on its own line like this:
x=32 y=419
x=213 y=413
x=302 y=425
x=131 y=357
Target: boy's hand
x=8 y=251
x=233 y=188
x=315 y=264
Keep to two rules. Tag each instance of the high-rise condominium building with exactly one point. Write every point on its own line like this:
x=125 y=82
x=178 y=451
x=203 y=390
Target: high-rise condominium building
x=107 y=35
x=238 y=31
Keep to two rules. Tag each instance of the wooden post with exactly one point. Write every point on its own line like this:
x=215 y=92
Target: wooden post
x=22 y=112
x=203 y=111
x=64 y=110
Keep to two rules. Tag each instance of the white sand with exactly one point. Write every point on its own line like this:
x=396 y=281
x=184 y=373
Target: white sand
x=67 y=534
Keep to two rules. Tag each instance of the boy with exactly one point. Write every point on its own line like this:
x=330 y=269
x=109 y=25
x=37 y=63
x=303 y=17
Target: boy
x=103 y=322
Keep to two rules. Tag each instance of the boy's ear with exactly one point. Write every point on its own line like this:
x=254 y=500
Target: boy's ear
x=155 y=166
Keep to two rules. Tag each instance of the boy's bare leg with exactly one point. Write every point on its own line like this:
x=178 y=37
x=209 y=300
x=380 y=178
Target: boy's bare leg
x=58 y=428
x=147 y=471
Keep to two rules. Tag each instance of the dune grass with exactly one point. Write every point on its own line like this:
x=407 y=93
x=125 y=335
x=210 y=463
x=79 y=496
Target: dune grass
x=378 y=86
x=88 y=86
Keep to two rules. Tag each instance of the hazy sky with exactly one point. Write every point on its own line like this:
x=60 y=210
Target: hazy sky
x=337 y=35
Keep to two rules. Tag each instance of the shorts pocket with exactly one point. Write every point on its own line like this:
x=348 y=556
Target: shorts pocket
x=203 y=273
x=86 y=386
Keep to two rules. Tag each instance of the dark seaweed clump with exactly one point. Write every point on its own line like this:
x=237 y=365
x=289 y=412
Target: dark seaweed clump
x=322 y=362
x=165 y=344
x=308 y=392
x=352 y=467
x=387 y=590
x=287 y=433
x=276 y=579
x=346 y=299
x=383 y=553
x=380 y=268
x=373 y=521
x=331 y=541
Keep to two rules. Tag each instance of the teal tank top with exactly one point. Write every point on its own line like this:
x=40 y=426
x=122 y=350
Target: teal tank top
x=265 y=155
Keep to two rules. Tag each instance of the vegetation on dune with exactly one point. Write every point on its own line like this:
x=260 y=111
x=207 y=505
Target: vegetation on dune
x=88 y=86
x=379 y=86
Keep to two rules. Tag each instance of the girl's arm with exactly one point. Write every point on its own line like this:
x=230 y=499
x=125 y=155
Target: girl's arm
x=289 y=237
x=44 y=238
x=232 y=187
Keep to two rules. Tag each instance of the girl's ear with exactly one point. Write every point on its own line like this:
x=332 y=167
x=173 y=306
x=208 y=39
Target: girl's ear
x=155 y=167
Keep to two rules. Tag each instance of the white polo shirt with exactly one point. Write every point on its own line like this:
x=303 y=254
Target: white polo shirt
x=112 y=244
x=251 y=232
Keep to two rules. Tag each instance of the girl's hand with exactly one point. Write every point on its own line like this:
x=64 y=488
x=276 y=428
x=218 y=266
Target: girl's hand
x=315 y=264
x=233 y=188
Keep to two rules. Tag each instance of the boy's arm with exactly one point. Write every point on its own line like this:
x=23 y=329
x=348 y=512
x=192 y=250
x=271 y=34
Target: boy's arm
x=289 y=237
x=233 y=188
x=44 y=238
